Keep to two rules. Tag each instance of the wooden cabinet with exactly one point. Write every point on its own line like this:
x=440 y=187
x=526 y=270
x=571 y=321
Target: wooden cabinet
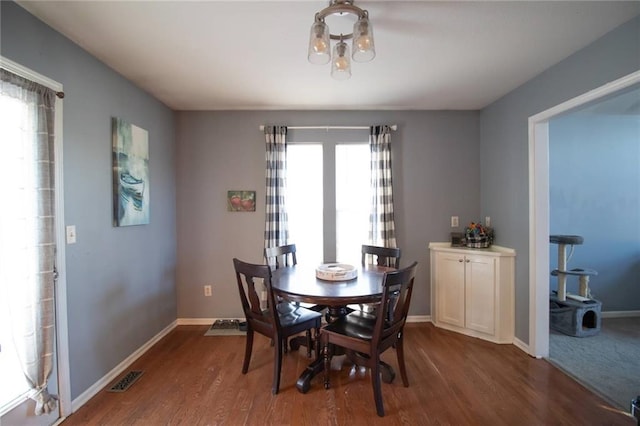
x=472 y=291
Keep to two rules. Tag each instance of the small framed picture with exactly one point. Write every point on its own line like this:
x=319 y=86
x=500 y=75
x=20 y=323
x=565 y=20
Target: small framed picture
x=241 y=201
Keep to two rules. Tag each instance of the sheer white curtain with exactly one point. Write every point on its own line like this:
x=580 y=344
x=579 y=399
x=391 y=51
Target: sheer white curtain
x=27 y=245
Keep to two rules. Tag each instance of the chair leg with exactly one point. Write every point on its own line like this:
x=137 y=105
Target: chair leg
x=316 y=343
x=247 y=350
x=284 y=342
x=403 y=368
x=277 y=365
x=377 y=387
x=327 y=363
x=309 y=343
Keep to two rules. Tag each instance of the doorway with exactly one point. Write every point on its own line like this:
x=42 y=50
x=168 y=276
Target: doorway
x=539 y=258
x=539 y=210
x=17 y=408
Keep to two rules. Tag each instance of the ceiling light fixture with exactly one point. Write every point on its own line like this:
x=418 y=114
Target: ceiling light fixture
x=362 y=48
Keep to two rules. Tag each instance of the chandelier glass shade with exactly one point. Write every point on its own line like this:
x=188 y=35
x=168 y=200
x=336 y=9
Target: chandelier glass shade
x=362 y=48
x=341 y=64
x=319 y=44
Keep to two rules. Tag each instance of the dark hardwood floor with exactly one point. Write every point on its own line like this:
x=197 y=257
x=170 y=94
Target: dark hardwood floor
x=190 y=379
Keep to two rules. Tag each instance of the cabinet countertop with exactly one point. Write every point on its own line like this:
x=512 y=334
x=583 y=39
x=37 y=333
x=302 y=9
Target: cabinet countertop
x=492 y=250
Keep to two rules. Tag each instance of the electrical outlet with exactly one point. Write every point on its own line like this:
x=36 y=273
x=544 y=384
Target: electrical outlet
x=454 y=221
x=487 y=221
x=207 y=290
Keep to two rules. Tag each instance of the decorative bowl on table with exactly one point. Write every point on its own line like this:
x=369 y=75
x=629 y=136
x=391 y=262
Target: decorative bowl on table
x=336 y=272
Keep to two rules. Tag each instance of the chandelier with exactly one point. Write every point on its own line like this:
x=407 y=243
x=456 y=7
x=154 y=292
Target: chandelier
x=362 y=39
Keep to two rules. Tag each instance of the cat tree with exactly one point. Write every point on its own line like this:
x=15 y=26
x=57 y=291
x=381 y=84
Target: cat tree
x=576 y=315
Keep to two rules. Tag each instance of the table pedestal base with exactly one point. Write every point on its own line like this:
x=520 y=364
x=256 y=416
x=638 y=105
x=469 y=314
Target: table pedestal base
x=317 y=366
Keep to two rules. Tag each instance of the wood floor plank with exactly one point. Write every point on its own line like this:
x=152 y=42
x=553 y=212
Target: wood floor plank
x=192 y=379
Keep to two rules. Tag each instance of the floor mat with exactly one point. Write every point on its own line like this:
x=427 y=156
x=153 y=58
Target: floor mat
x=225 y=328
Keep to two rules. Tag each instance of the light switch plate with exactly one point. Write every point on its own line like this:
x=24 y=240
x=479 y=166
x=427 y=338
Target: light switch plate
x=71 y=234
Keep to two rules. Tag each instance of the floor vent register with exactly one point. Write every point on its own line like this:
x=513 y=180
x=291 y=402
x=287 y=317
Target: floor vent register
x=126 y=382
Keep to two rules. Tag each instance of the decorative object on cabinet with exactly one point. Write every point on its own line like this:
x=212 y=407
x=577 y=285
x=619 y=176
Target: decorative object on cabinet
x=478 y=236
x=130 y=156
x=457 y=239
x=472 y=291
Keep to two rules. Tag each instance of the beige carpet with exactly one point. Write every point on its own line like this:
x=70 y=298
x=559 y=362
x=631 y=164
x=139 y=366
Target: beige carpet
x=607 y=363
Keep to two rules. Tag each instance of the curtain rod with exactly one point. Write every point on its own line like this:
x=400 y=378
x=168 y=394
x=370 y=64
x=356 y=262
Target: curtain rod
x=393 y=127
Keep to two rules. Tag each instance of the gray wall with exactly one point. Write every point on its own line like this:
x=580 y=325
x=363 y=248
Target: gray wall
x=113 y=308
x=504 y=141
x=435 y=173
x=120 y=281
x=594 y=191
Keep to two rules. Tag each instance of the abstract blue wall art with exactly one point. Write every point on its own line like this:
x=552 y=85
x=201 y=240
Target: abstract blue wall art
x=130 y=174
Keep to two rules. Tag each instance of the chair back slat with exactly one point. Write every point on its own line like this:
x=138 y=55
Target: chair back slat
x=247 y=276
x=381 y=256
x=286 y=253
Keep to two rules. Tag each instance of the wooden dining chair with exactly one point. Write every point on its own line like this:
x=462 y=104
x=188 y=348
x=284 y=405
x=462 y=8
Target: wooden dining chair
x=383 y=256
x=365 y=336
x=380 y=256
x=285 y=256
x=279 y=321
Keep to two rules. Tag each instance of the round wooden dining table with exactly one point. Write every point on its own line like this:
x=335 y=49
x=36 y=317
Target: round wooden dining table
x=299 y=283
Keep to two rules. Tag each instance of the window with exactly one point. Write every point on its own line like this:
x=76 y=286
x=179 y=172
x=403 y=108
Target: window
x=353 y=200
x=328 y=199
x=30 y=110
x=14 y=253
x=304 y=200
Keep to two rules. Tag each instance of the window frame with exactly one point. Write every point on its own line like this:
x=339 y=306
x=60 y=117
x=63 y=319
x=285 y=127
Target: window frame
x=329 y=141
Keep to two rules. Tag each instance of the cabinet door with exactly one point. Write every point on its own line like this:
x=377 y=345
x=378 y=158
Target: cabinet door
x=480 y=293
x=450 y=288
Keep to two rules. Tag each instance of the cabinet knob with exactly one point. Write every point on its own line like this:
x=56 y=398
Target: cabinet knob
x=460 y=260
x=468 y=261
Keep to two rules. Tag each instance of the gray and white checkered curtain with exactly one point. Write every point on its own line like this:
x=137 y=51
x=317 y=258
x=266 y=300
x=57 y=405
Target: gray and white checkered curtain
x=276 y=230
x=381 y=222
x=29 y=156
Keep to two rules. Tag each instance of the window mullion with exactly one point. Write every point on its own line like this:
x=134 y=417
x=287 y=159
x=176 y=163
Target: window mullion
x=329 y=202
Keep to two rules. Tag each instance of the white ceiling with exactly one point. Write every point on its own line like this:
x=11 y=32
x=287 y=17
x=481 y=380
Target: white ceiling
x=230 y=55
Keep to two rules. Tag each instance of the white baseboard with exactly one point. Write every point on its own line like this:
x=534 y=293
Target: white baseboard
x=605 y=314
x=521 y=345
x=620 y=314
x=202 y=321
x=419 y=318
x=109 y=377
x=209 y=321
